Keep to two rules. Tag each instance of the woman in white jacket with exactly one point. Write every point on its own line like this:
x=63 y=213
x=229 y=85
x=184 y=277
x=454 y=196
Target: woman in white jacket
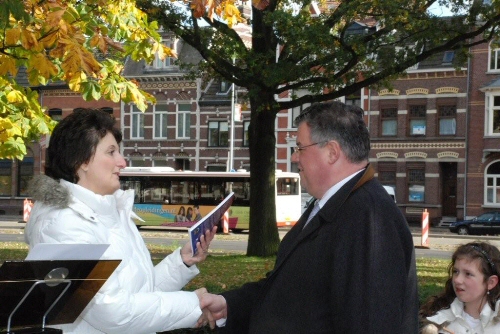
x=471 y=300
x=79 y=201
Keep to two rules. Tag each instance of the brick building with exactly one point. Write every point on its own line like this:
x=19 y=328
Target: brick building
x=435 y=136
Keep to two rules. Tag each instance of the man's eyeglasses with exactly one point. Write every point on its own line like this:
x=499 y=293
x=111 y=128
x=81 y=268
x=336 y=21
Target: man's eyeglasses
x=297 y=149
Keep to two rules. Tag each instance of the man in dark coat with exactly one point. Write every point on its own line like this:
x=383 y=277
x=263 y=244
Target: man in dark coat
x=351 y=268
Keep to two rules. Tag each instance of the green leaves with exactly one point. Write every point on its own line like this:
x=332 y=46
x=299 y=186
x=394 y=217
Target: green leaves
x=60 y=40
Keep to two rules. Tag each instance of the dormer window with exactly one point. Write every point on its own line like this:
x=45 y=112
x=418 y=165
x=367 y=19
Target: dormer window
x=168 y=61
x=448 y=57
x=224 y=86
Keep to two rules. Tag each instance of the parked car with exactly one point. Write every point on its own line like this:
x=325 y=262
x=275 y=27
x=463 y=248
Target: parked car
x=391 y=192
x=487 y=223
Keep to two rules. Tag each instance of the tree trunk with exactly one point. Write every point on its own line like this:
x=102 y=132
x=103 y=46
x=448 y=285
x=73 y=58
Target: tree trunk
x=263 y=239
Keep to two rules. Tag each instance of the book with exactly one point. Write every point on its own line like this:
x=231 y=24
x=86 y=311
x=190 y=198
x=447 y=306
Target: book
x=209 y=221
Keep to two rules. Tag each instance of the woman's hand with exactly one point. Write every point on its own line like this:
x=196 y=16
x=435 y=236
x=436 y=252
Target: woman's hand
x=201 y=249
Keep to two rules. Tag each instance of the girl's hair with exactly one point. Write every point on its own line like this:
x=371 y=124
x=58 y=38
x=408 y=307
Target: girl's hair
x=489 y=257
x=182 y=210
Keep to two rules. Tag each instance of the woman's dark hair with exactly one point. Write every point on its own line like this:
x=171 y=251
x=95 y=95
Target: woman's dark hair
x=489 y=257
x=74 y=140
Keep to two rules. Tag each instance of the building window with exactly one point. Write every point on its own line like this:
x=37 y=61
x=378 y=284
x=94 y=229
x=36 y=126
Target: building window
x=55 y=114
x=387 y=174
x=224 y=86
x=417 y=120
x=447 y=120
x=182 y=164
x=139 y=162
x=492 y=115
x=25 y=172
x=416 y=182
x=448 y=57
x=389 y=120
x=297 y=110
x=183 y=121
x=492 y=183
x=137 y=126
x=218 y=134
x=246 y=141
x=354 y=99
x=168 y=61
x=216 y=168
x=160 y=162
x=160 y=121
x=494 y=56
x=5 y=177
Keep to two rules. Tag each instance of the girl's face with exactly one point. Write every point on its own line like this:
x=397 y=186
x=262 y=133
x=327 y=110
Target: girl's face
x=469 y=283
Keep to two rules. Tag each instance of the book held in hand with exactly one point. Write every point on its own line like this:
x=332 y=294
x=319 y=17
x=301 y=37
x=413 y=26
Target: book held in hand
x=209 y=221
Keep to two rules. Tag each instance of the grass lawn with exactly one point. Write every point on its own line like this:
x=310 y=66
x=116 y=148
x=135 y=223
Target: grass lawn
x=222 y=272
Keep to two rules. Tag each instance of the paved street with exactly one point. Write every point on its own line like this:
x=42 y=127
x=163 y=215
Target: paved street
x=441 y=242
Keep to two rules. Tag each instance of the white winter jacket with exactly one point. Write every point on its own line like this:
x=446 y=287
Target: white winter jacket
x=138 y=297
x=452 y=318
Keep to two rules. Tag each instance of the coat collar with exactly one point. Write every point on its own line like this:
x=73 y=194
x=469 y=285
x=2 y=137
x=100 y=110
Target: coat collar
x=456 y=309
x=298 y=233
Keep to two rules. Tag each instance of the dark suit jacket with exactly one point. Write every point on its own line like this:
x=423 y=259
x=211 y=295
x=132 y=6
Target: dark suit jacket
x=351 y=270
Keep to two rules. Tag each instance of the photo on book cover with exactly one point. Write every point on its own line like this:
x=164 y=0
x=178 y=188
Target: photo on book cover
x=209 y=221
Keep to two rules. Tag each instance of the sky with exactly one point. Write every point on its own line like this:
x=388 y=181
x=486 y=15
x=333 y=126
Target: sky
x=440 y=10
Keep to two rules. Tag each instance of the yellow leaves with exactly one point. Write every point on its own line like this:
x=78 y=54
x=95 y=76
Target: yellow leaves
x=225 y=9
x=44 y=66
x=8 y=129
x=7 y=65
x=15 y=96
x=78 y=59
x=231 y=14
x=54 y=18
x=260 y=4
x=28 y=39
x=12 y=36
x=75 y=80
x=199 y=6
x=98 y=41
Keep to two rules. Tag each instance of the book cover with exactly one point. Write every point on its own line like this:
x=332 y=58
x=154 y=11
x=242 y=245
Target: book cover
x=209 y=221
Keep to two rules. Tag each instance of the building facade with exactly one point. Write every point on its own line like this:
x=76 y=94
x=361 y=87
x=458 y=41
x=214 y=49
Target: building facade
x=435 y=135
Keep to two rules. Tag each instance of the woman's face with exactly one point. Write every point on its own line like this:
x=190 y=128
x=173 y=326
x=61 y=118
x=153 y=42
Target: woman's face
x=469 y=283
x=102 y=173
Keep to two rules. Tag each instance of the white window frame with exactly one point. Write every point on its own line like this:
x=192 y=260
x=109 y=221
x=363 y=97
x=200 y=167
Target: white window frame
x=246 y=140
x=492 y=128
x=136 y=123
x=385 y=121
x=183 y=121
x=222 y=127
x=491 y=187
x=496 y=59
x=295 y=111
x=168 y=62
x=160 y=116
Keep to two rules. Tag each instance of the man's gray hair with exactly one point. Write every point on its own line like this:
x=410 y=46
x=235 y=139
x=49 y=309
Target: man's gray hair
x=340 y=122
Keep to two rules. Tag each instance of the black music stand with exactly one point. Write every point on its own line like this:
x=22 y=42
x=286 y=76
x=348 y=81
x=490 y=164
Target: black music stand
x=36 y=293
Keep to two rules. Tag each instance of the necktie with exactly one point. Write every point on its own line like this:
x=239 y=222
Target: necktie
x=313 y=213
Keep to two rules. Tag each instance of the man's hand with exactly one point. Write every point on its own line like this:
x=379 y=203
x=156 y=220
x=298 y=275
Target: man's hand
x=213 y=306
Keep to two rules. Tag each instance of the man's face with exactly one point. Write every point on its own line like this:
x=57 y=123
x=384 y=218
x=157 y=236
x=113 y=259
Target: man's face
x=311 y=161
